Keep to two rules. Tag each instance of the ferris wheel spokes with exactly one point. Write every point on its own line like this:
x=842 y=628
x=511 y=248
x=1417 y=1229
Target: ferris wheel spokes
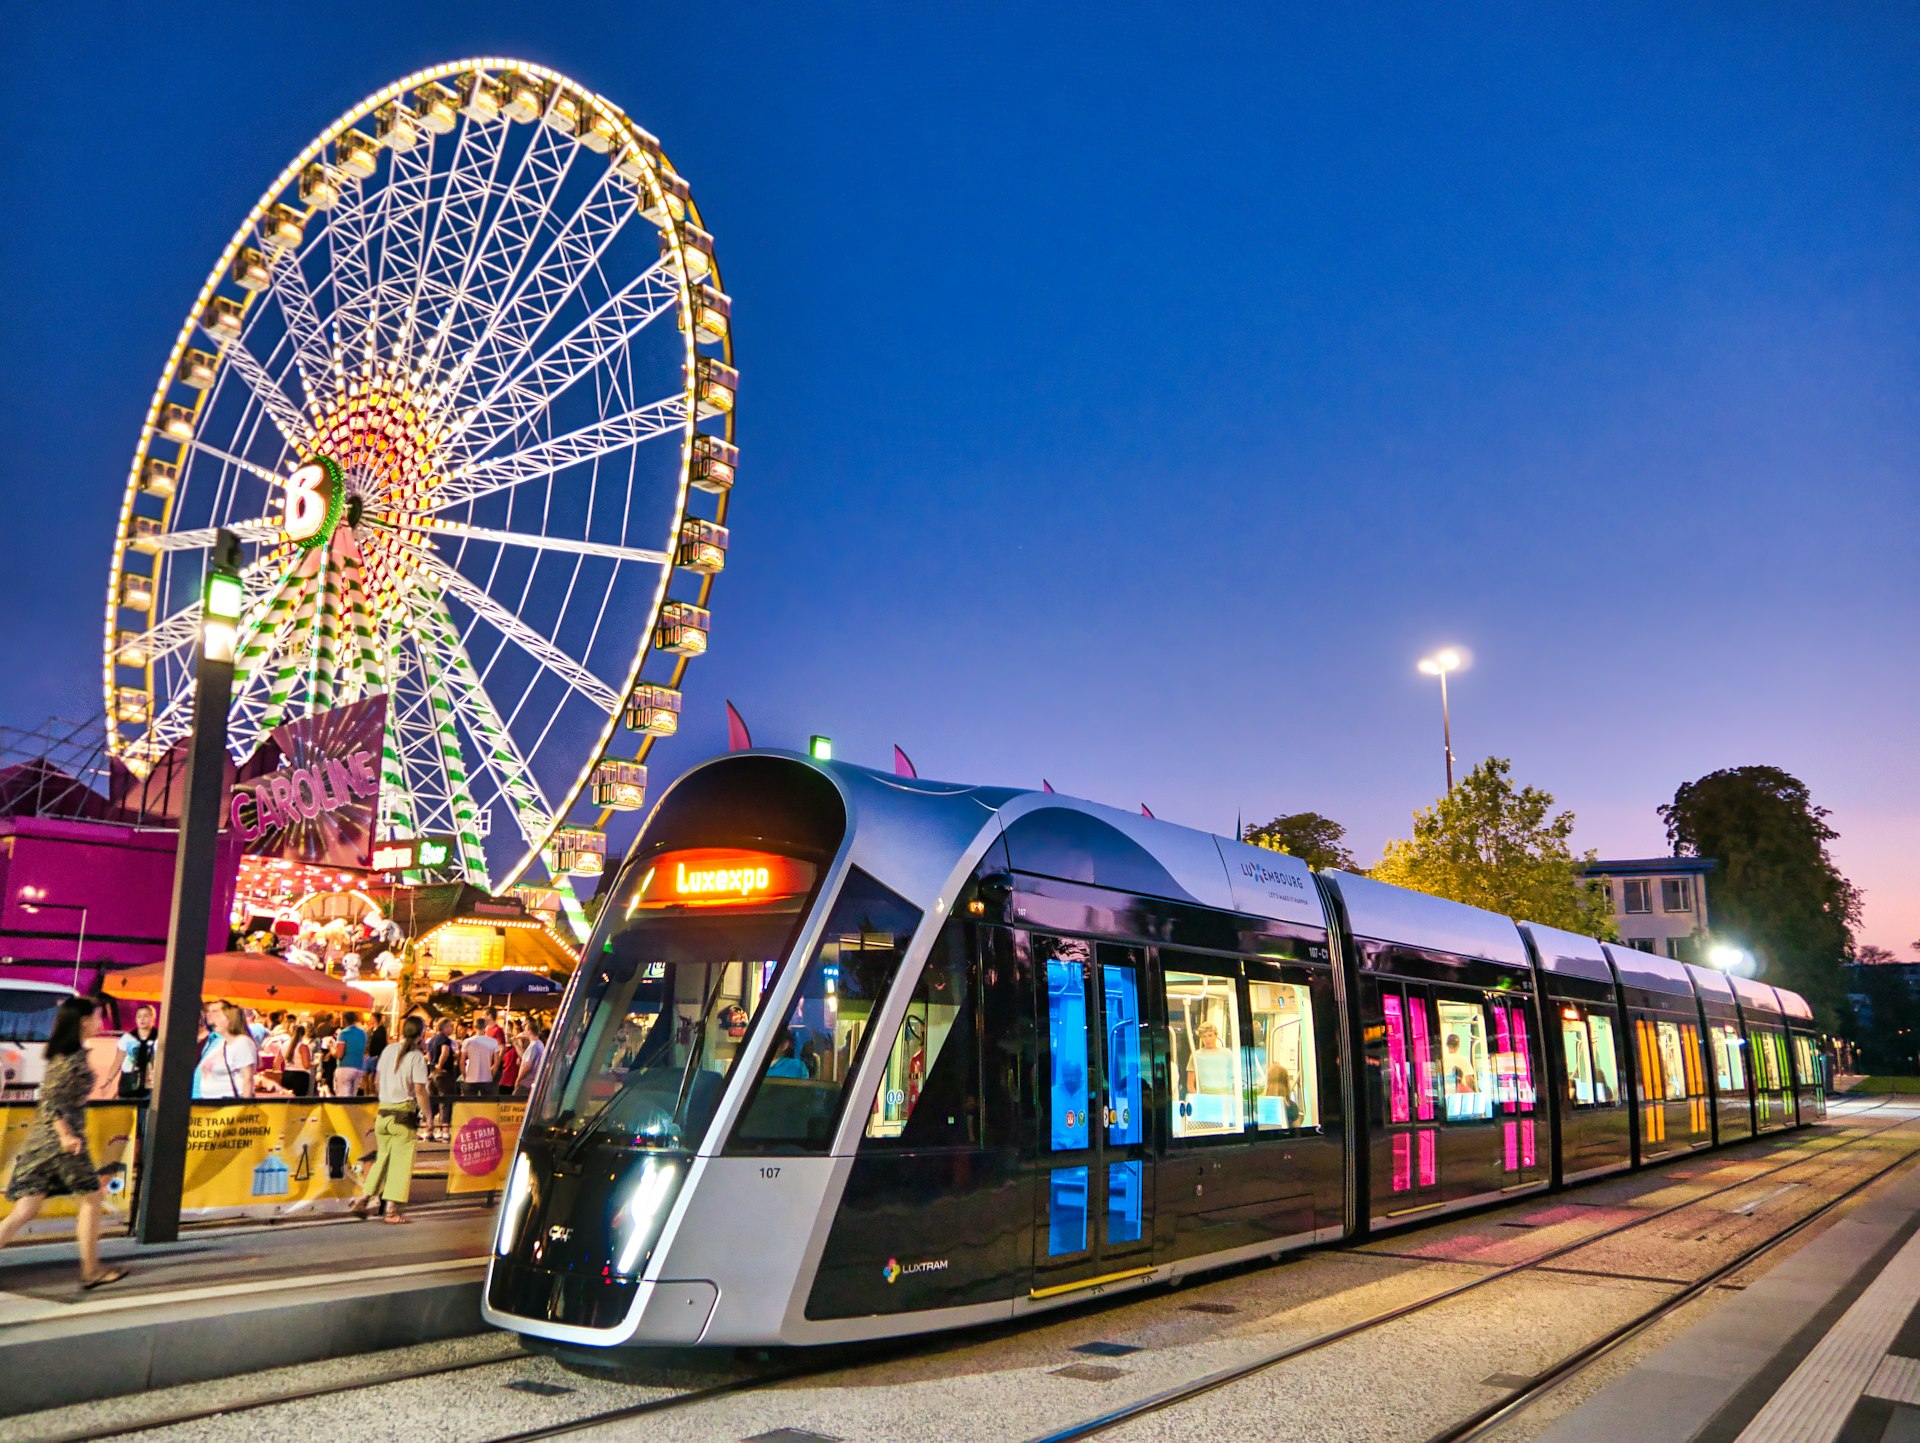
x=517 y=397
x=292 y=423
x=551 y=543
x=583 y=681
x=667 y=416
x=312 y=356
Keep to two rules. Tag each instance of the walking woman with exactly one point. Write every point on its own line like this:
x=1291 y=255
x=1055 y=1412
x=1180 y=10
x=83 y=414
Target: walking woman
x=53 y=1160
x=401 y=1076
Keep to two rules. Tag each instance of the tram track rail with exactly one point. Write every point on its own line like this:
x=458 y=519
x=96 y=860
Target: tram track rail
x=1502 y=1410
x=840 y=1362
x=1496 y=1415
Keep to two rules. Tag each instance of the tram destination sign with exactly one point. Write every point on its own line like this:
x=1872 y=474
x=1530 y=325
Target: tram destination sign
x=311 y=793
x=718 y=876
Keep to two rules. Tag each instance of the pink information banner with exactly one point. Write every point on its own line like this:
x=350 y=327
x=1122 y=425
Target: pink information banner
x=311 y=793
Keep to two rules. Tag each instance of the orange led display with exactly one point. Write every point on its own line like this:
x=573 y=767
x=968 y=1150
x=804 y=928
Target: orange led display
x=721 y=876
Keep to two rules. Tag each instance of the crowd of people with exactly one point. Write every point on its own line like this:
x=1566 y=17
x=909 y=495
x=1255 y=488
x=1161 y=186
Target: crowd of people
x=414 y=1076
x=243 y=1053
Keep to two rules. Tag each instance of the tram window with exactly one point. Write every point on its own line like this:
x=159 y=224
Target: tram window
x=1203 y=1031
x=825 y=1030
x=1673 y=1066
x=929 y=1095
x=1579 y=1049
x=1769 y=1060
x=1285 y=1081
x=1466 y=1065
x=1722 y=1064
x=1809 y=1072
x=658 y=1015
x=1728 y=1064
x=1606 y=1062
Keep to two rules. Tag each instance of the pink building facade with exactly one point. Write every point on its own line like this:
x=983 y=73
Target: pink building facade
x=80 y=897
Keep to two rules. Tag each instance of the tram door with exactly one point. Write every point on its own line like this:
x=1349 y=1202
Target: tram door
x=1096 y=1187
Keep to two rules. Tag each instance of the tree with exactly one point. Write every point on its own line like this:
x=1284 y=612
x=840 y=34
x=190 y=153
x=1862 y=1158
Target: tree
x=1489 y=845
x=1868 y=955
x=1775 y=889
x=1316 y=840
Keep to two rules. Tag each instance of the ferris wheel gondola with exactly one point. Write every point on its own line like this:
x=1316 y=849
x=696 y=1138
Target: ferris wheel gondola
x=462 y=385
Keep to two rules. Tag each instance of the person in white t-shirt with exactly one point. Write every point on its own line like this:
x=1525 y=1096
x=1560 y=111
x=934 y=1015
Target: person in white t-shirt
x=226 y=1067
x=401 y=1076
x=479 y=1066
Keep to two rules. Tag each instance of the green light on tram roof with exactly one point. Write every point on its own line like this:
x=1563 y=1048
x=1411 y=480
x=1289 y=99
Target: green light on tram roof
x=820 y=748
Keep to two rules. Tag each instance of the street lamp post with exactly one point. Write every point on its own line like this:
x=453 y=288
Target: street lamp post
x=1439 y=664
x=164 y=1149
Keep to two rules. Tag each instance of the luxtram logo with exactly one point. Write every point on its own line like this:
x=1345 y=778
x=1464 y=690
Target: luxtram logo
x=895 y=1269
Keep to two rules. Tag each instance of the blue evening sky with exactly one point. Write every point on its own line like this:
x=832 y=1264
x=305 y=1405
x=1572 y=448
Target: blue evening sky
x=1132 y=394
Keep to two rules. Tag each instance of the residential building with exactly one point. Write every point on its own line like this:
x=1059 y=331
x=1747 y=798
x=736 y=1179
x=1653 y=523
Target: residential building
x=1659 y=903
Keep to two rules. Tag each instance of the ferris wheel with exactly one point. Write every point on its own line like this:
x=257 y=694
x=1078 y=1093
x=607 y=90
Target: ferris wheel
x=461 y=383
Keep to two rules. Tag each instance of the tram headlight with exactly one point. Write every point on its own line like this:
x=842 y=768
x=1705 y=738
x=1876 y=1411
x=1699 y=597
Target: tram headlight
x=639 y=1218
x=514 y=1210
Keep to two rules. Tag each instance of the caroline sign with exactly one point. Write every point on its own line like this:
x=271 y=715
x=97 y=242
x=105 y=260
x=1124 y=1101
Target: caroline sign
x=312 y=791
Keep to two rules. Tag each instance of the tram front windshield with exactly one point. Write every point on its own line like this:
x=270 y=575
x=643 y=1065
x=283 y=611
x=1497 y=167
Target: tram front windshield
x=689 y=945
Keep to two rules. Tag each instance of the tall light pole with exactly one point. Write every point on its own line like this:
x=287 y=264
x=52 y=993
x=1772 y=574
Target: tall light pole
x=163 y=1153
x=1439 y=664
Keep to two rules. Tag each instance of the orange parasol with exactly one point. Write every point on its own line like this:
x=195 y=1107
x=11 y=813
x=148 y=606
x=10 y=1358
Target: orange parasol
x=252 y=979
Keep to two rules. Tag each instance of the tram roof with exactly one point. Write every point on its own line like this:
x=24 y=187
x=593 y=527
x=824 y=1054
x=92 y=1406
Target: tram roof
x=1709 y=982
x=1755 y=996
x=1568 y=954
x=1648 y=971
x=1384 y=913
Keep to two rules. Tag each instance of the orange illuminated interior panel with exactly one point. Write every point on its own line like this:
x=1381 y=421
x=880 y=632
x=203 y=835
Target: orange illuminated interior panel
x=720 y=877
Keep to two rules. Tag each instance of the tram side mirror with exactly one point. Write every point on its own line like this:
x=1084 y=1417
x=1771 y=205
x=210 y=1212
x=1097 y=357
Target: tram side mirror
x=991 y=895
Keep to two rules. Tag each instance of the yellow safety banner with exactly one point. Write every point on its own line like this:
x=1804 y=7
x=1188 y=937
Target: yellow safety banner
x=271 y=1158
x=484 y=1137
x=110 y=1137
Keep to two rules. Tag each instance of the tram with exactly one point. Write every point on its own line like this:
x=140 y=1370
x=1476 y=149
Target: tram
x=851 y=1055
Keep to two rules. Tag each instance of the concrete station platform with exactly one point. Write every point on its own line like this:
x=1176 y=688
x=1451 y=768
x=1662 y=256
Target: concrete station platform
x=1824 y=1348
x=233 y=1299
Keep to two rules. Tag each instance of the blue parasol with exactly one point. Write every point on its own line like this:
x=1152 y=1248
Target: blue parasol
x=504 y=983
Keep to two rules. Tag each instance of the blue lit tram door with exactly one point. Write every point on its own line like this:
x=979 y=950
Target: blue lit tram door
x=1096 y=1180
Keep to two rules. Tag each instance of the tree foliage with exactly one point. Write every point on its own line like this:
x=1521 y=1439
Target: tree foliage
x=1492 y=845
x=1775 y=889
x=1868 y=955
x=1318 y=841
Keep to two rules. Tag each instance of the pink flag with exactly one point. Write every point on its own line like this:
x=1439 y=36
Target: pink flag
x=903 y=765
x=739 y=739
x=1147 y=814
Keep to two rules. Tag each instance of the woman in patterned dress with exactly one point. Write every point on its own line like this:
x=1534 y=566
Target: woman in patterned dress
x=54 y=1162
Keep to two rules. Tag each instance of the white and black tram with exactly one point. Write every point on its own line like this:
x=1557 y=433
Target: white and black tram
x=851 y=1055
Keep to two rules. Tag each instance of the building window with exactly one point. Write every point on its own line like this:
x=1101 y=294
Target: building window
x=1639 y=894
x=1675 y=895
